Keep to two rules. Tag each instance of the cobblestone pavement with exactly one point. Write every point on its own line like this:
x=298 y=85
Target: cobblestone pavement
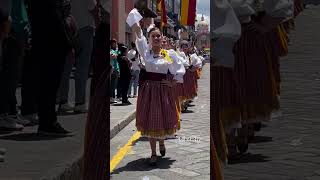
x=186 y=158
x=288 y=148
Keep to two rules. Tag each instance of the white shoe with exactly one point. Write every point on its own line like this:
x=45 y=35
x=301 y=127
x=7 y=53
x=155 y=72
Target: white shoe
x=8 y=123
x=113 y=100
x=21 y=120
x=33 y=118
x=80 y=109
x=65 y=108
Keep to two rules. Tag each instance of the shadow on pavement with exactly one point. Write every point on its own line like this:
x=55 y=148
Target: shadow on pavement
x=261 y=139
x=249 y=158
x=66 y=113
x=31 y=137
x=122 y=104
x=191 y=105
x=187 y=111
x=142 y=164
x=2 y=132
x=147 y=139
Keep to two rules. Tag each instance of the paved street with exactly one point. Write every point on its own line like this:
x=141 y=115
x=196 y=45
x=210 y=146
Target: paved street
x=187 y=156
x=288 y=147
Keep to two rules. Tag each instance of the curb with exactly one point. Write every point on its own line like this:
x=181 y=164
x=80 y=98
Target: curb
x=73 y=171
x=117 y=128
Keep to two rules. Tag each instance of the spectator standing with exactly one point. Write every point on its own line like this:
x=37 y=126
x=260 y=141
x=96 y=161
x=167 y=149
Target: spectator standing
x=9 y=57
x=20 y=29
x=133 y=56
x=51 y=43
x=63 y=92
x=115 y=70
x=84 y=13
x=125 y=73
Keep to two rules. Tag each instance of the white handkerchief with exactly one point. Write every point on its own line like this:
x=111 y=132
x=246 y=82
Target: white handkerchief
x=133 y=17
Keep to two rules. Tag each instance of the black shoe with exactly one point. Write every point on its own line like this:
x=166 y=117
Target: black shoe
x=54 y=130
x=126 y=103
x=162 y=150
x=153 y=160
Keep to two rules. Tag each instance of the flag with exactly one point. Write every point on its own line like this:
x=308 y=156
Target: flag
x=188 y=12
x=161 y=7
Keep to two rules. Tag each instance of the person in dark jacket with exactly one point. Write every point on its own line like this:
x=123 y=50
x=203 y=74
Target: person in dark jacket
x=125 y=73
x=51 y=43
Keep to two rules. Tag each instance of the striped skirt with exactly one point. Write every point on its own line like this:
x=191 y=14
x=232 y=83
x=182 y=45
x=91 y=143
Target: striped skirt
x=298 y=7
x=179 y=91
x=255 y=75
x=157 y=114
x=179 y=96
x=289 y=25
x=283 y=39
x=198 y=73
x=226 y=97
x=189 y=84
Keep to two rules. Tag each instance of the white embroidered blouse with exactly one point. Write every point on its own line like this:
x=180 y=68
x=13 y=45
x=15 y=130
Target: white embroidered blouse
x=185 y=59
x=160 y=64
x=196 y=60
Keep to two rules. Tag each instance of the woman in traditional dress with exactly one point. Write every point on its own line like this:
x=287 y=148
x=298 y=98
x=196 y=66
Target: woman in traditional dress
x=196 y=63
x=188 y=85
x=156 y=113
x=225 y=114
x=178 y=89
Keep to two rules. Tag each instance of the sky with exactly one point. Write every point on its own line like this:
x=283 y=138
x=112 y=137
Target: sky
x=203 y=7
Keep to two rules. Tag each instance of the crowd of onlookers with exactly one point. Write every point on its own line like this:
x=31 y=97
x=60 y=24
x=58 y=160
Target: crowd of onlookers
x=126 y=65
x=40 y=56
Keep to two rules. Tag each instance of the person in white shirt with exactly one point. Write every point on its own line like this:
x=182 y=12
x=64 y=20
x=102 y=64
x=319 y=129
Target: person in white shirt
x=85 y=13
x=133 y=56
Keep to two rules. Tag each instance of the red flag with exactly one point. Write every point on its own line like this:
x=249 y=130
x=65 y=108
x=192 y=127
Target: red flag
x=161 y=6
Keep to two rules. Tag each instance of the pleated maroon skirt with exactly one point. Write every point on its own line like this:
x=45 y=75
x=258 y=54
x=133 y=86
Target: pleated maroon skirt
x=254 y=61
x=157 y=115
x=189 y=84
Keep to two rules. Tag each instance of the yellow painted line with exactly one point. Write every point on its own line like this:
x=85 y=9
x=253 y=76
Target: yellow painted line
x=123 y=151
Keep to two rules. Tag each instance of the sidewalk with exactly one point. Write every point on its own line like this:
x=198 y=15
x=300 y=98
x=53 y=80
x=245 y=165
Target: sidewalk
x=30 y=157
x=188 y=155
x=121 y=116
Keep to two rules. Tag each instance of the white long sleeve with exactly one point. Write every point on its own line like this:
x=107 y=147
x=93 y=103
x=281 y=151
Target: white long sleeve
x=177 y=67
x=226 y=30
x=185 y=59
x=279 y=8
x=142 y=46
x=196 y=61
